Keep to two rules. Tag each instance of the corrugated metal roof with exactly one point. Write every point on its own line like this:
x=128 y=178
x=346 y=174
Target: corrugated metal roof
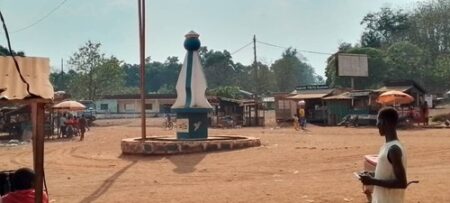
x=317 y=91
x=398 y=88
x=343 y=96
x=307 y=96
x=311 y=94
x=404 y=83
x=36 y=72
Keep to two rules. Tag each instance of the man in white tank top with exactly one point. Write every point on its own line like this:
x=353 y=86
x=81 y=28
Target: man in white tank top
x=390 y=173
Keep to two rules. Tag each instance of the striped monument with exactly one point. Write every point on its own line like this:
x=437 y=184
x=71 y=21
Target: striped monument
x=191 y=104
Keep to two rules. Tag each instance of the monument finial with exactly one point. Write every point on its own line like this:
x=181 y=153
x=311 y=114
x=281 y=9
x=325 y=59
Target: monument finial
x=192 y=43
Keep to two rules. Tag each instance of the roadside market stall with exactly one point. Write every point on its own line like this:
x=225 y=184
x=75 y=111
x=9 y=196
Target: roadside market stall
x=25 y=80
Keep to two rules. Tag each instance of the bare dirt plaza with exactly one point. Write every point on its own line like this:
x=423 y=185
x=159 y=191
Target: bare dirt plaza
x=290 y=166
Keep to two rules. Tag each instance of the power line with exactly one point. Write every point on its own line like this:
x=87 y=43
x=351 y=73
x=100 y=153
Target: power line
x=272 y=45
x=300 y=50
x=12 y=55
x=243 y=47
x=41 y=19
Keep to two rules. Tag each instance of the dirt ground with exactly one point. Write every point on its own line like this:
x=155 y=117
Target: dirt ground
x=290 y=166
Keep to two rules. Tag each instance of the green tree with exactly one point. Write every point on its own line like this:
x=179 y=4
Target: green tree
x=431 y=27
x=169 y=74
x=5 y=52
x=167 y=89
x=405 y=61
x=218 y=67
x=265 y=81
x=60 y=80
x=108 y=77
x=85 y=60
x=290 y=72
x=385 y=27
x=440 y=75
x=132 y=75
x=96 y=75
x=226 y=91
x=158 y=75
x=244 y=77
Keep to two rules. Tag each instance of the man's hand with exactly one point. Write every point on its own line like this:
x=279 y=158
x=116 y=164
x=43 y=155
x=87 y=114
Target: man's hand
x=366 y=179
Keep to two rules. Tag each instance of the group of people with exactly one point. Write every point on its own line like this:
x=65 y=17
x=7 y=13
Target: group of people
x=71 y=125
x=23 y=181
x=419 y=116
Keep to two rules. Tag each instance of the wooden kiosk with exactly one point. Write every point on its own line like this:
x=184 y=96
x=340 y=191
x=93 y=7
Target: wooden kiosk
x=25 y=80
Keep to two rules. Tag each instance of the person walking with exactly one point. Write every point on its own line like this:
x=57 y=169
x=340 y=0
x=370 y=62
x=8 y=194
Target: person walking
x=389 y=180
x=62 y=125
x=301 y=115
x=82 y=123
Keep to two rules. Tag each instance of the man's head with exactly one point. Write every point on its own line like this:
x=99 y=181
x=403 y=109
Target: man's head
x=387 y=120
x=23 y=179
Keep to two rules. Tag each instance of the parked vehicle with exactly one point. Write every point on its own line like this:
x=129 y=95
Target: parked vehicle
x=227 y=122
x=356 y=120
x=350 y=120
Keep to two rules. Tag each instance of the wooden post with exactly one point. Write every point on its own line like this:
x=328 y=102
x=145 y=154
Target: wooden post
x=352 y=81
x=38 y=121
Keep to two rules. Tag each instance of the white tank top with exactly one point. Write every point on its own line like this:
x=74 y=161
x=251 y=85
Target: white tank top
x=385 y=171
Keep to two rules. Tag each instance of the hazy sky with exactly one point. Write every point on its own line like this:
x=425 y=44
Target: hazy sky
x=316 y=25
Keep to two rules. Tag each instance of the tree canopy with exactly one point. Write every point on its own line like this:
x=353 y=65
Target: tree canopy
x=5 y=52
x=403 y=45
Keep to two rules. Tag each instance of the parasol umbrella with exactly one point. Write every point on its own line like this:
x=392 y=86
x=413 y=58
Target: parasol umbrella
x=394 y=97
x=69 y=106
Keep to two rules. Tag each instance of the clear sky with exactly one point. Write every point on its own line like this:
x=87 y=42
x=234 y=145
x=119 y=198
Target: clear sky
x=316 y=25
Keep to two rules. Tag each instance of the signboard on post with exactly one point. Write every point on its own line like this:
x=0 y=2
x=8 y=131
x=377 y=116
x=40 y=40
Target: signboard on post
x=352 y=65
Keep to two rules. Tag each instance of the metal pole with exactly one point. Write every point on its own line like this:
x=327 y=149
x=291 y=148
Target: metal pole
x=141 y=7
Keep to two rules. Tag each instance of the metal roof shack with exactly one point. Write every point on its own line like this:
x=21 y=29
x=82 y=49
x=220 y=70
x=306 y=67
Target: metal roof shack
x=407 y=86
x=401 y=85
x=34 y=70
x=28 y=82
x=311 y=92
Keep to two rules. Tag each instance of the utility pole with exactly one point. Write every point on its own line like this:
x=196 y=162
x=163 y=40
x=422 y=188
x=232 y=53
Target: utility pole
x=61 y=77
x=255 y=62
x=141 y=7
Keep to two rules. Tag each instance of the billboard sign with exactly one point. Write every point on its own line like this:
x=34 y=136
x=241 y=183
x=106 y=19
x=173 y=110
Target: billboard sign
x=352 y=65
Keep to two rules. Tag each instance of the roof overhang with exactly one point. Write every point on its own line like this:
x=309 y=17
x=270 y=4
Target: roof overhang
x=32 y=84
x=307 y=96
x=397 y=88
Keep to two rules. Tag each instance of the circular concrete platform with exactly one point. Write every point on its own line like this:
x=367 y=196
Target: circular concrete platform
x=169 y=146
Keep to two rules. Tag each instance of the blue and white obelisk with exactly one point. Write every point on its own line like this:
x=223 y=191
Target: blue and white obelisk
x=191 y=104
